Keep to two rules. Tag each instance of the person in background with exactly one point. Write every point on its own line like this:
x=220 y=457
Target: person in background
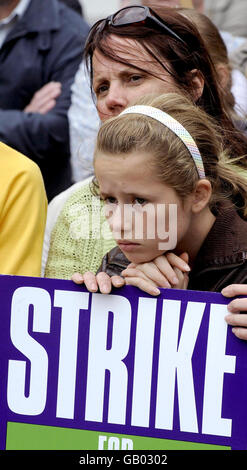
x=75 y=5
x=23 y=206
x=84 y=123
x=233 y=84
x=227 y=15
x=41 y=47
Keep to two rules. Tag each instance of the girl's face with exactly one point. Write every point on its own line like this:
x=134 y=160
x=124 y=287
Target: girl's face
x=138 y=205
x=116 y=85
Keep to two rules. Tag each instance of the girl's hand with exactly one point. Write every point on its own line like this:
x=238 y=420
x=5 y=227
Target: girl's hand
x=168 y=271
x=235 y=318
x=101 y=281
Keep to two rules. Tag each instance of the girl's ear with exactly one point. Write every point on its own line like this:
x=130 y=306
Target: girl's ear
x=202 y=195
x=198 y=84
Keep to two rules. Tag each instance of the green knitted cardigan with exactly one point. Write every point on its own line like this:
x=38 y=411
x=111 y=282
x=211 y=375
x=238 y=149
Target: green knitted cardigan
x=80 y=237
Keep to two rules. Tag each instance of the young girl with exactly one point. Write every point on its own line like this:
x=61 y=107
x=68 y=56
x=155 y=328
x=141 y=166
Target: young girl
x=161 y=152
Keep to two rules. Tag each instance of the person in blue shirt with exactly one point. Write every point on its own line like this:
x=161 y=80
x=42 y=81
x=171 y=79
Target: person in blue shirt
x=41 y=47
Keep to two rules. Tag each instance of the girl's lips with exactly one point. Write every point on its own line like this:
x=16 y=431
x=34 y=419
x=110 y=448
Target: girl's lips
x=127 y=246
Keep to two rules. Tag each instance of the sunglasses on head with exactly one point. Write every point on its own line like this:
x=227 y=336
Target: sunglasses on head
x=135 y=14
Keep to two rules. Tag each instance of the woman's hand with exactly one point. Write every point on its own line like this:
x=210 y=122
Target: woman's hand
x=235 y=318
x=167 y=271
x=101 y=281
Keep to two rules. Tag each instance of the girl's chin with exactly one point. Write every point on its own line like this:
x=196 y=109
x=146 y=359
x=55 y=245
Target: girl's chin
x=138 y=259
x=136 y=253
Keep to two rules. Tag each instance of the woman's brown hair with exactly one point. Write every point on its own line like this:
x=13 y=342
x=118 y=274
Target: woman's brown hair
x=179 y=59
x=218 y=53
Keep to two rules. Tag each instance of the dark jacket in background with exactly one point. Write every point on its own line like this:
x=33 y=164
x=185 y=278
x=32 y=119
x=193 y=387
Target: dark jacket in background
x=75 y=5
x=222 y=259
x=45 y=45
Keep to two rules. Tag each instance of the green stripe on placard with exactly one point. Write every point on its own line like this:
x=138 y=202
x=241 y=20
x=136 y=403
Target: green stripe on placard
x=33 y=437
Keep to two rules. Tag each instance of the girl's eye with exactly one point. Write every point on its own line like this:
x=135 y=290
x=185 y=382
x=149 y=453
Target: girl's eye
x=110 y=200
x=140 y=201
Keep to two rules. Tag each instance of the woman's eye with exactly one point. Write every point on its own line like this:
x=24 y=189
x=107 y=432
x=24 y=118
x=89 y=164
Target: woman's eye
x=135 y=78
x=100 y=90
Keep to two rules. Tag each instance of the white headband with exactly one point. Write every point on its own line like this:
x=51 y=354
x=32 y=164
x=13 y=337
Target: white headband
x=175 y=127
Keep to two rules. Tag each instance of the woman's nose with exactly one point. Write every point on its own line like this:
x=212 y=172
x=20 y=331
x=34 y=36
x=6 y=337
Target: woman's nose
x=116 y=100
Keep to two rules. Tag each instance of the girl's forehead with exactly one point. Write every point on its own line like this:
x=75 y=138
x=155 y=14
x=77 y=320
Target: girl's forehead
x=135 y=167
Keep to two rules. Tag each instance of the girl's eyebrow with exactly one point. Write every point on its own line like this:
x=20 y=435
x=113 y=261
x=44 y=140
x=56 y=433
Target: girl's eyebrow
x=103 y=194
x=133 y=195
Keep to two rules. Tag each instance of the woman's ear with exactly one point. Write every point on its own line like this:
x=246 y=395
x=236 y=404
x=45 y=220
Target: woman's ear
x=198 y=84
x=202 y=195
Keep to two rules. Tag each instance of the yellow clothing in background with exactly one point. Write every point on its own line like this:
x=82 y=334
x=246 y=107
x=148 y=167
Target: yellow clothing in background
x=23 y=207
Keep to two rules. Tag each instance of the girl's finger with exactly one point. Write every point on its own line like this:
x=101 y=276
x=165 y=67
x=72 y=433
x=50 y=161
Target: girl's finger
x=183 y=279
x=90 y=281
x=104 y=282
x=166 y=269
x=117 y=281
x=77 y=278
x=179 y=262
x=148 y=271
x=142 y=284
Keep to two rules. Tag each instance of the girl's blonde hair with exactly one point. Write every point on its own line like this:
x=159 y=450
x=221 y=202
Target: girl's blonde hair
x=169 y=157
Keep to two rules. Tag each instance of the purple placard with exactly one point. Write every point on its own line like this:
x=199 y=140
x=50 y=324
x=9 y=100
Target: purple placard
x=176 y=370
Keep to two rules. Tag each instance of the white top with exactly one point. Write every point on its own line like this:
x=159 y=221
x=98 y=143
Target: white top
x=83 y=126
x=239 y=91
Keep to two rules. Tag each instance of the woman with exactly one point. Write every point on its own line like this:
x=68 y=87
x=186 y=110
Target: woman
x=181 y=61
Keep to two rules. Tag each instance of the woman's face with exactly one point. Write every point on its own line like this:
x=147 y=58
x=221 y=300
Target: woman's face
x=116 y=85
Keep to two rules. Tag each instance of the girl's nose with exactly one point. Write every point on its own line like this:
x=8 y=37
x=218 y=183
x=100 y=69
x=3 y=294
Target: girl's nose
x=120 y=222
x=114 y=215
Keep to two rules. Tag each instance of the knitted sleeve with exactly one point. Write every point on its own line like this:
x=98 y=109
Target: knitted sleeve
x=80 y=237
